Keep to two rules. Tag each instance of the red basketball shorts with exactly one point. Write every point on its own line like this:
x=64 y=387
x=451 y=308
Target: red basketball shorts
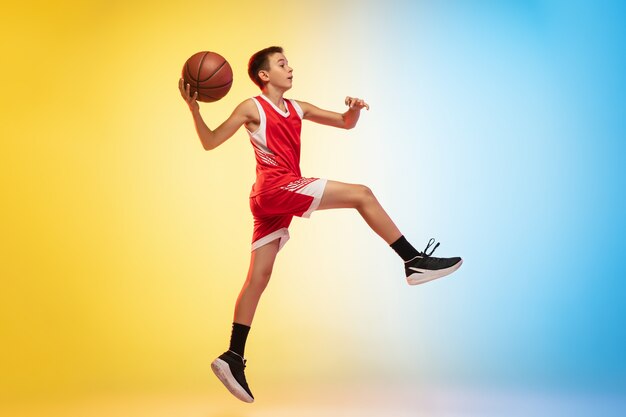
x=274 y=209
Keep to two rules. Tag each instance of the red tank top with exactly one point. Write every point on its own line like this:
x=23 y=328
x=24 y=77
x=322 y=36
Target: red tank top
x=276 y=144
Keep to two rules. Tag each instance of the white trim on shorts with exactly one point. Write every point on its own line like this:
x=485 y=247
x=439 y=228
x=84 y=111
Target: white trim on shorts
x=314 y=189
x=282 y=234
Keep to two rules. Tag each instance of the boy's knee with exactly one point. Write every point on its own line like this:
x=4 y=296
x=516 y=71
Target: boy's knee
x=365 y=194
x=261 y=277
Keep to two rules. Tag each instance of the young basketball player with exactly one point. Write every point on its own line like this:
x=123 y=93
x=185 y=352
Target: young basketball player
x=281 y=192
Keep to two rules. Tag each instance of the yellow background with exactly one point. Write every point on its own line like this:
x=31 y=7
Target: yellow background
x=124 y=244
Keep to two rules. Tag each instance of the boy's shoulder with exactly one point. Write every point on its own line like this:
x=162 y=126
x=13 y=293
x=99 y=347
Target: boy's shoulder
x=247 y=110
x=246 y=104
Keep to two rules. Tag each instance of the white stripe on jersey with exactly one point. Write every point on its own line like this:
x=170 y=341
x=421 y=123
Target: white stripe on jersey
x=297 y=107
x=266 y=157
x=258 y=138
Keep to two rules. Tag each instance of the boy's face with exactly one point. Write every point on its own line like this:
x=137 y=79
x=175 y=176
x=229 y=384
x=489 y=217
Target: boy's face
x=280 y=74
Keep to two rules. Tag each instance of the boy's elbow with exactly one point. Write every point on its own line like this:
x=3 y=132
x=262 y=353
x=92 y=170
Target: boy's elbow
x=208 y=143
x=207 y=146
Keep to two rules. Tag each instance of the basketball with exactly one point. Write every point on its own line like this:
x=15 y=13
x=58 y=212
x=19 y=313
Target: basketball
x=209 y=74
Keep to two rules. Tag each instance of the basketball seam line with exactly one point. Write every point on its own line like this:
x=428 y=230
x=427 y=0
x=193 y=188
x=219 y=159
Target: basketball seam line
x=199 y=69
x=214 y=72
x=213 y=88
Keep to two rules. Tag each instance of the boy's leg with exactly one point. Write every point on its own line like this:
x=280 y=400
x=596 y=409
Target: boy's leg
x=259 y=273
x=419 y=267
x=342 y=195
x=229 y=367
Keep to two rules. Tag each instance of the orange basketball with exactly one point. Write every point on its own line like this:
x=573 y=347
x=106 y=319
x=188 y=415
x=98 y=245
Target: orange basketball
x=209 y=74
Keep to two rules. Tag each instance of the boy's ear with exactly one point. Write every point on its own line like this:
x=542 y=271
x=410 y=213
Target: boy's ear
x=264 y=75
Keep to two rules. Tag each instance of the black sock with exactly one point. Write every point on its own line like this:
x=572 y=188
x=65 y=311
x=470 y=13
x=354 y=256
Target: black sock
x=238 y=338
x=404 y=249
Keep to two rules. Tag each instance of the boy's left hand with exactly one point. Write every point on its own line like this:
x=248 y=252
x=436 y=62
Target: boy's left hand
x=356 y=103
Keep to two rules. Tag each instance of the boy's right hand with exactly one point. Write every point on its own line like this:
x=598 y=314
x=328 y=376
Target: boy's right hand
x=356 y=103
x=191 y=100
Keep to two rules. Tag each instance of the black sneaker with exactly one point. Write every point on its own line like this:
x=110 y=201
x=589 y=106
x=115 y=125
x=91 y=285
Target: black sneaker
x=229 y=369
x=424 y=268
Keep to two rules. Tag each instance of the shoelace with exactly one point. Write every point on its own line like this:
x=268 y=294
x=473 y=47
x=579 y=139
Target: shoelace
x=242 y=358
x=430 y=242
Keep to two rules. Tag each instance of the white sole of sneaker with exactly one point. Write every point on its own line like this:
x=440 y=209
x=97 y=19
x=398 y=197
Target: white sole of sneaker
x=222 y=371
x=424 y=277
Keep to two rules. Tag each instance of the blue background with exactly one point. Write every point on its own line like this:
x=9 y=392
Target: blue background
x=515 y=130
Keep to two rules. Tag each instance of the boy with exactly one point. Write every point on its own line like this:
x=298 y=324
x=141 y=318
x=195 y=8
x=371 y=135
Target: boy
x=280 y=192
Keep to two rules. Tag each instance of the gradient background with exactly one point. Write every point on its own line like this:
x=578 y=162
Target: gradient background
x=496 y=127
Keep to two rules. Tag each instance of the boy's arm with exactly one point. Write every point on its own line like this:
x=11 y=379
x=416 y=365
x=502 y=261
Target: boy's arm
x=211 y=139
x=345 y=120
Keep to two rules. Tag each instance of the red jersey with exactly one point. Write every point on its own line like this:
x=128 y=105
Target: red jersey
x=276 y=144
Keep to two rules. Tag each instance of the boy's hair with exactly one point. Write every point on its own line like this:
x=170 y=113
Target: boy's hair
x=259 y=61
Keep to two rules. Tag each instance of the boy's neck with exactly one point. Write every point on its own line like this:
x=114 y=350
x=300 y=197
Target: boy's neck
x=275 y=96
